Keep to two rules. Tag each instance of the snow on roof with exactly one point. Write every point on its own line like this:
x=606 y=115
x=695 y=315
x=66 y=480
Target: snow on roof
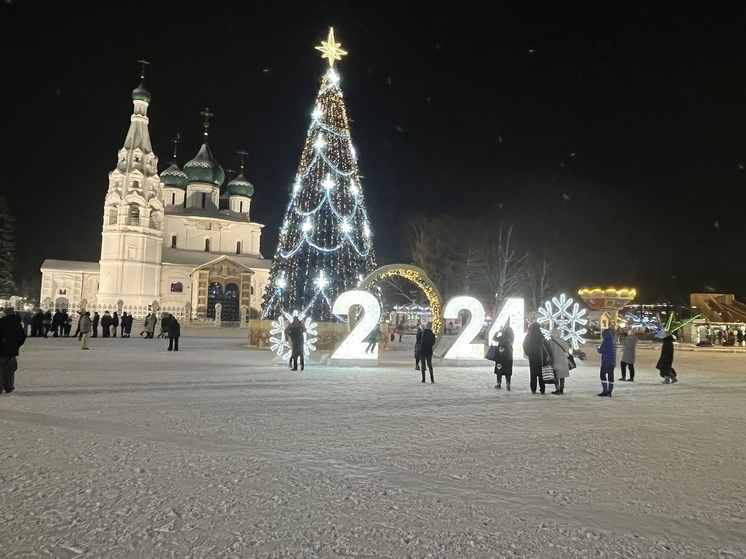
x=70 y=266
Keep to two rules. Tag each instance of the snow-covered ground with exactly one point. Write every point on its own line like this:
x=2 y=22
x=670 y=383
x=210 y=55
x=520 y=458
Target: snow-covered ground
x=130 y=451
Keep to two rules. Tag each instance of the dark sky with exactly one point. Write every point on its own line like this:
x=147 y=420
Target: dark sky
x=614 y=134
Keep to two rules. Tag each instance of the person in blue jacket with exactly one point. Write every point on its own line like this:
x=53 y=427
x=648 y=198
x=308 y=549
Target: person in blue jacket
x=607 y=349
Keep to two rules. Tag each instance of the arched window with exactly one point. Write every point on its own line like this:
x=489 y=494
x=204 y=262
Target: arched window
x=238 y=247
x=135 y=184
x=252 y=289
x=177 y=287
x=240 y=206
x=173 y=241
x=134 y=215
x=173 y=198
x=207 y=245
x=204 y=200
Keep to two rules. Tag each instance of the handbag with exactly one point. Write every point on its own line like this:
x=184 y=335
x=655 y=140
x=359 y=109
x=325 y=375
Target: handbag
x=571 y=362
x=547 y=374
x=492 y=353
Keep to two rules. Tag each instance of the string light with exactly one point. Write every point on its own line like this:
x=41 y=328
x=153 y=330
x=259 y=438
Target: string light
x=326 y=226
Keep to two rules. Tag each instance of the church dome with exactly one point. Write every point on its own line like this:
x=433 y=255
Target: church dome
x=204 y=168
x=240 y=187
x=174 y=177
x=140 y=93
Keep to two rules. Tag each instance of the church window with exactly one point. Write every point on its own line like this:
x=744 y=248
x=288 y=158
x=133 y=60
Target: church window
x=63 y=291
x=134 y=214
x=177 y=287
x=173 y=241
x=238 y=247
x=252 y=289
x=173 y=199
x=113 y=216
x=137 y=159
x=207 y=245
x=240 y=206
x=135 y=184
x=204 y=200
x=131 y=252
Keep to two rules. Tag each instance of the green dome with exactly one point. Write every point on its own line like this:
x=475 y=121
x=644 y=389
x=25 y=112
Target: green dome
x=141 y=94
x=204 y=168
x=175 y=177
x=240 y=187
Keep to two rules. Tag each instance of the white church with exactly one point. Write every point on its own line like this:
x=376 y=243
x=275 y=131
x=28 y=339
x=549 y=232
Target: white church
x=169 y=242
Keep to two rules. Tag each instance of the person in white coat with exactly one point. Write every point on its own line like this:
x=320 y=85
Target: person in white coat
x=560 y=351
x=629 y=354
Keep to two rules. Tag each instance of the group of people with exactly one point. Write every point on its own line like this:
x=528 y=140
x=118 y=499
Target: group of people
x=60 y=324
x=551 y=360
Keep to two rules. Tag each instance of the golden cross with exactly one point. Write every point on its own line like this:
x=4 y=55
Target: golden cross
x=208 y=115
x=242 y=154
x=143 y=63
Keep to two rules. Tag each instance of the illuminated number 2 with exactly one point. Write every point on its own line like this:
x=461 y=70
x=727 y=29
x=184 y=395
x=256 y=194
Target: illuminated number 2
x=463 y=348
x=353 y=346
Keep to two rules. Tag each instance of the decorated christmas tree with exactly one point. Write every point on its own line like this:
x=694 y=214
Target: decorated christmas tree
x=325 y=245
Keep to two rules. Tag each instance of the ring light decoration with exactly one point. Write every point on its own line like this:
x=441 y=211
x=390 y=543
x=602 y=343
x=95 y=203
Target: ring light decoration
x=418 y=277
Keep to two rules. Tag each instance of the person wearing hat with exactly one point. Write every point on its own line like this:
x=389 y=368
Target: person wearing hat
x=665 y=363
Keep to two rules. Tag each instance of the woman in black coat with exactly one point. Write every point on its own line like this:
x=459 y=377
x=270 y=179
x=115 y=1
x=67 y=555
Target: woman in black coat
x=504 y=361
x=535 y=349
x=665 y=363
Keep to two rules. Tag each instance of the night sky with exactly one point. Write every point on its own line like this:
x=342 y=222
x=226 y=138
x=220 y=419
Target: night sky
x=614 y=135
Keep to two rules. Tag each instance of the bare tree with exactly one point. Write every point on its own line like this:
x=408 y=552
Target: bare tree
x=504 y=263
x=543 y=278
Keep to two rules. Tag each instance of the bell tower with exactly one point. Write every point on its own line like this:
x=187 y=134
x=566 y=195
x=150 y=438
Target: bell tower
x=132 y=235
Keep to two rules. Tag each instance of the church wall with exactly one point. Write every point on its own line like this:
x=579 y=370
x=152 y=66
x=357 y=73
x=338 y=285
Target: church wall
x=191 y=234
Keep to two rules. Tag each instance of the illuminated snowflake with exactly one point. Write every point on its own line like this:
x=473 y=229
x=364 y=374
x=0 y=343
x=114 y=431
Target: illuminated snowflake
x=569 y=321
x=281 y=346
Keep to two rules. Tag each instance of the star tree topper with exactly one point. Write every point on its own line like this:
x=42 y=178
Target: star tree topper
x=330 y=49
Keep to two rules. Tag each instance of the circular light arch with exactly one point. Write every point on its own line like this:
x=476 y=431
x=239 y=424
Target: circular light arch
x=418 y=277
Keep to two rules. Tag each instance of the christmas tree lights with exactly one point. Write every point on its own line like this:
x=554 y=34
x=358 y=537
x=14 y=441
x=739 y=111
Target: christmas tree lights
x=325 y=244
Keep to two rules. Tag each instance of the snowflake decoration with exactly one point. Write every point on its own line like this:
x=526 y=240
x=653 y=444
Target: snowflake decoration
x=569 y=321
x=281 y=346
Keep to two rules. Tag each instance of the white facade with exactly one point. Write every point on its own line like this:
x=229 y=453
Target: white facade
x=167 y=240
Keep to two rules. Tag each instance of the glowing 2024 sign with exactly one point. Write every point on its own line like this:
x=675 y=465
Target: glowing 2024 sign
x=463 y=349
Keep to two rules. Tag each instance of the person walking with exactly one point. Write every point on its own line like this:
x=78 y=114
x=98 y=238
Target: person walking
x=417 y=347
x=535 y=348
x=295 y=332
x=629 y=354
x=665 y=363
x=12 y=338
x=174 y=332
x=373 y=338
x=504 y=361
x=427 y=344
x=607 y=349
x=85 y=324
